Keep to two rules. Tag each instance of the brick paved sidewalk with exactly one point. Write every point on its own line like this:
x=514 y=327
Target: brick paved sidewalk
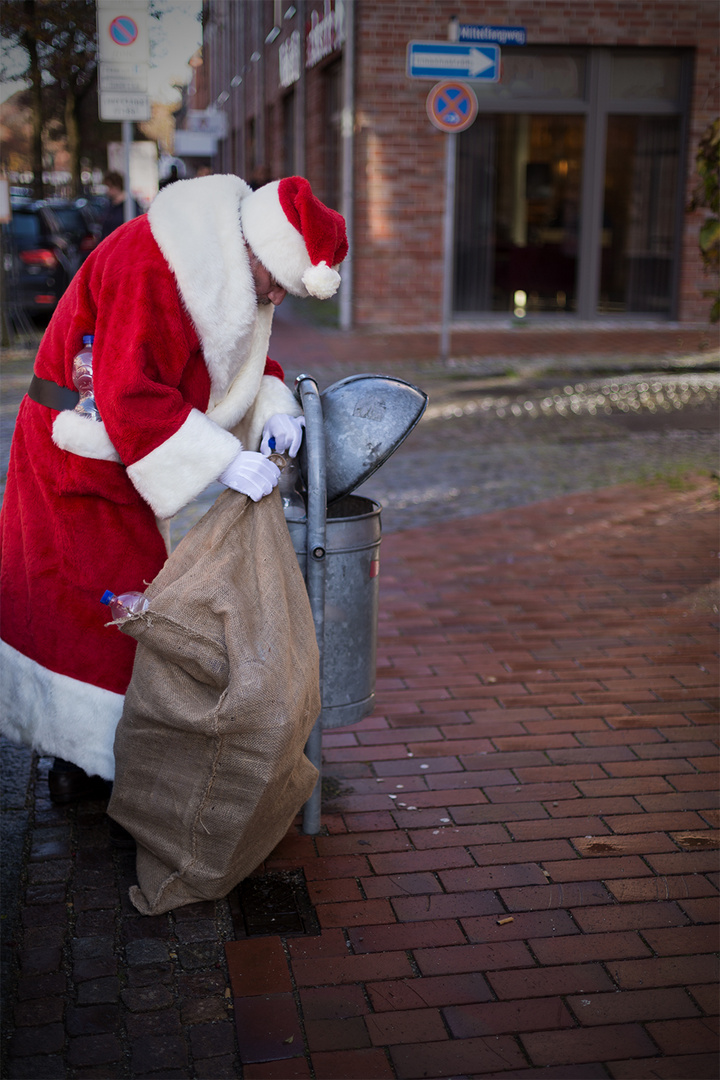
x=521 y=869
x=518 y=874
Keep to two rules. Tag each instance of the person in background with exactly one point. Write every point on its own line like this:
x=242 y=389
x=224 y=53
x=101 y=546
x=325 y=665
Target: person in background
x=115 y=213
x=180 y=303
x=172 y=177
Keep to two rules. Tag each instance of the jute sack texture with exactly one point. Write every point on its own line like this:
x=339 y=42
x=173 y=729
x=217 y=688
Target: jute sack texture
x=209 y=751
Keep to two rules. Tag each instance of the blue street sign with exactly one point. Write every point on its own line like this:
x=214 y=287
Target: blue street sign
x=442 y=60
x=500 y=35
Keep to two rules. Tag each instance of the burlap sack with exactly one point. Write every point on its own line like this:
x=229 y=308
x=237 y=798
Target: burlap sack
x=210 y=764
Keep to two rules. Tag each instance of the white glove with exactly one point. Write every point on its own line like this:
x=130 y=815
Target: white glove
x=286 y=431
x=251 y=474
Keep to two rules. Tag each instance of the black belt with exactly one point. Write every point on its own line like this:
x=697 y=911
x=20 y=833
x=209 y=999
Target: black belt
x=46 y=392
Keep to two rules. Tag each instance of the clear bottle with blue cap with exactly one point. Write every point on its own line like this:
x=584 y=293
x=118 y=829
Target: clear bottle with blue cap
x=126 y=604
x=290 y=485
x=83 y=380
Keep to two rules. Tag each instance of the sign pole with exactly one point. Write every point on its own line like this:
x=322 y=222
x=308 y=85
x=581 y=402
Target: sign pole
x=127 y=138
x=448 y=243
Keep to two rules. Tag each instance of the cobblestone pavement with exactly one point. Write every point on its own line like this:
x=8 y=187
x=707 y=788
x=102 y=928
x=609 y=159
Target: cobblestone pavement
x=517 y=873
x=499 y=431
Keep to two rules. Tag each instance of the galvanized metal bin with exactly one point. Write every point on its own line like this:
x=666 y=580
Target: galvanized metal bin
x=352 y=561
x=338 y=545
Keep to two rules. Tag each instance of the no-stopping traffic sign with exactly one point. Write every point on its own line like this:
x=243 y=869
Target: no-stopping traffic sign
x=451 y=105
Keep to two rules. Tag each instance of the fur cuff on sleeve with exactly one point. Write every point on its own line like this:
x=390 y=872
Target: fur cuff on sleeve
x=82 y=436
x=175 y=472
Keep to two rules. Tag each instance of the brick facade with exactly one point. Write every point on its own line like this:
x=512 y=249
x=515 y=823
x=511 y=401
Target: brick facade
x=398 y=157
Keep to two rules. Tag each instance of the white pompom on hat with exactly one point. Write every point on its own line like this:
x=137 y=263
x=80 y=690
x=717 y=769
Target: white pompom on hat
x=295 y=236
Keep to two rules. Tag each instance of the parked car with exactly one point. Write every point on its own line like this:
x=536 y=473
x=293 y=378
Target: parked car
x=77 y=223
x=40 y=257
x=94 y=207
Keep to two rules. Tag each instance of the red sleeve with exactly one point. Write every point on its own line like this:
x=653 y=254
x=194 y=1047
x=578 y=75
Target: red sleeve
x=273 y=368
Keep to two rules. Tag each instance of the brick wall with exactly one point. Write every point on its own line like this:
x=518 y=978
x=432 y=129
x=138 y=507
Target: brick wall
x=399 y=157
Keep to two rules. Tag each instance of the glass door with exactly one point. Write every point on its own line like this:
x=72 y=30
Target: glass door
x=568 y=186
x=518 y=212
x=638 y=230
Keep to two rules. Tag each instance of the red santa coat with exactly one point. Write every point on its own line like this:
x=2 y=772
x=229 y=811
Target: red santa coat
x=182 y=382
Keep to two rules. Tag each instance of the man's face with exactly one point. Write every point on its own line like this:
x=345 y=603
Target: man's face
x=266 y=287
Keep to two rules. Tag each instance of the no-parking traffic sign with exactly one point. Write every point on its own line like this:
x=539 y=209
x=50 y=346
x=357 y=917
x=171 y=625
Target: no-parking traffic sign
x=124 y=48
x=123 y=31
x=451 y=105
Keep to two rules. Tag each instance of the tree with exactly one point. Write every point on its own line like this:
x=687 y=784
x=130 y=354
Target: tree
x=59 y=40
x=707 y=194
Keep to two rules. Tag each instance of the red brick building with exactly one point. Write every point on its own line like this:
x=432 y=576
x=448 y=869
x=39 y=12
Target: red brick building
x=566 y=197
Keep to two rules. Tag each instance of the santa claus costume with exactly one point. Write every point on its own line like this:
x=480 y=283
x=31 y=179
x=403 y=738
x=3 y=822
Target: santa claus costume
x=182 y=383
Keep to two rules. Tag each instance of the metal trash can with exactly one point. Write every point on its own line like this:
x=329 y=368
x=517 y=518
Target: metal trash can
x=338 y=545
x=352 y=563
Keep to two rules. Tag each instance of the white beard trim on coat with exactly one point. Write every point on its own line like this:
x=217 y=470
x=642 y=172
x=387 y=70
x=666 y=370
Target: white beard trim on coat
x=176 y=471
x=196 y=225
x=57 y=715
x=239 y=396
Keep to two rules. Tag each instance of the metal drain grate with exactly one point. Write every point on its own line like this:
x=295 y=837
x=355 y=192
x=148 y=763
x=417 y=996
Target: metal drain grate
x=274 y=903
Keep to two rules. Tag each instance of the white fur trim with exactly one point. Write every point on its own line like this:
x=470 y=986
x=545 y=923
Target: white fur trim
x=175 y=472
x=273 y=397
x=321 y=281
x=83 y=436
x=278 y=244
x=57 y=715
x=241 y=393
x=196 y=224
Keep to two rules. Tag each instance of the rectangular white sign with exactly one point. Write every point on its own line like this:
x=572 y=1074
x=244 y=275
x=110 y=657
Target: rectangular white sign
x=124 y=106
x=195 y=144
x=123 y=78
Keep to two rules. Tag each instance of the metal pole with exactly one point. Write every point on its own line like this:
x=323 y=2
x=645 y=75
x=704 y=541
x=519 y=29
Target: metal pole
x=127 y=138
x=348 y=142
x=448 y=243
x=315 y=567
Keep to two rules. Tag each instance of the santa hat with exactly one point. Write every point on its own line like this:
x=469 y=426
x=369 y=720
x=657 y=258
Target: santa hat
x=295 y=236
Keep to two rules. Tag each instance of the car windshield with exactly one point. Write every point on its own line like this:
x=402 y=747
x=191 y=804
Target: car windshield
x=71 y=220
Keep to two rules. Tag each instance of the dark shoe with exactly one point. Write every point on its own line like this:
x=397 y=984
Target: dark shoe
x=119 y=837
x=69 y=783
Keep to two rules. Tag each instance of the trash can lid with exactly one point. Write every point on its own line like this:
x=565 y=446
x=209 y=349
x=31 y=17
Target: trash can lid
x=366 y=418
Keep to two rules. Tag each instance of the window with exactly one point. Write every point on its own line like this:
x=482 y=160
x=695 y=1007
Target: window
x=568 y=184
x=332 y=76
x=288 y=134
x=638 y=227
x=518 y=226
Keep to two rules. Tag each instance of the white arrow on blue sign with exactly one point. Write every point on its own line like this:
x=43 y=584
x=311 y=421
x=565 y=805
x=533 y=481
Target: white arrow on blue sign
x=439 y=60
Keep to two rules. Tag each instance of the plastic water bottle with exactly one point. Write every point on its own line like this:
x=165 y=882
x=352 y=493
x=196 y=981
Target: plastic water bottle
x=290 y=484
x=83 y=380
x=126 y=604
